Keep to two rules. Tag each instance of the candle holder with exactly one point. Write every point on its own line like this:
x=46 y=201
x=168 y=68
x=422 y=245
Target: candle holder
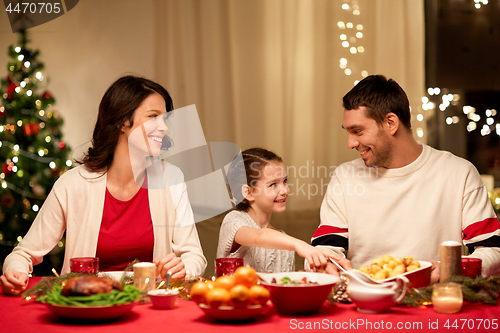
x=447 y=297
x=227 y=266
x=84 y=265
x=451 y=260
x=145 y=276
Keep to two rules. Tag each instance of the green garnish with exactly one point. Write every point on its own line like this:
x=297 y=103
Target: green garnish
x=115 y=297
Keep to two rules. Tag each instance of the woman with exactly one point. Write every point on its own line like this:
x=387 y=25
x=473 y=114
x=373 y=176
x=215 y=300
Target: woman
x=118 y=204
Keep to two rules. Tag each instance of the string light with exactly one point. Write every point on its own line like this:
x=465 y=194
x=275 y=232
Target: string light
x=448 y=99
x=478 y=3
x=33 y=156
x=350 y=39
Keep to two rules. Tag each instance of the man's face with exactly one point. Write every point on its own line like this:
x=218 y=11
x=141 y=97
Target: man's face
x=366 y=136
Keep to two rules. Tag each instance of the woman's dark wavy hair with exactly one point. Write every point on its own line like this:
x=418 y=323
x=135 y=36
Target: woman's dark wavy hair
x=380 y=96
x=254 y=159
x=116 y=108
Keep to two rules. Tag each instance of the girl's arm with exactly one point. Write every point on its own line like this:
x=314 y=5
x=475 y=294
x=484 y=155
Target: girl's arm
x=272 y=239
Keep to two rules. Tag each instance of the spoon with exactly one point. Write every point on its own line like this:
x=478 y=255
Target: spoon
x=337 y=264
x=167 y=283
x=367 y=279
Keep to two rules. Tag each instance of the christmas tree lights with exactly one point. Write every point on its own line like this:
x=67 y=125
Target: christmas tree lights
x=32 y=152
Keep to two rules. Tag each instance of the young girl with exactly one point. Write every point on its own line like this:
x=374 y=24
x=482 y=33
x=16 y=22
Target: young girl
x=246 y=232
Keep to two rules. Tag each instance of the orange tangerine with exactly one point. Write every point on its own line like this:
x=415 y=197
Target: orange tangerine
x=225 y=281
x=211 y=284
x=240 y=296
x=246 y=276
x=199 y=290
x=259 y=295
x=217 y=297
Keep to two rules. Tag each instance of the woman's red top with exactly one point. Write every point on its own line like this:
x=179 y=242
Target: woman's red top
x=126 y=232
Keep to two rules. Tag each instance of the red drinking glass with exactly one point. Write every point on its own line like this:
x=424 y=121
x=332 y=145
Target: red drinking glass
x=227 y=266
x=84 y=265
x=471 y=267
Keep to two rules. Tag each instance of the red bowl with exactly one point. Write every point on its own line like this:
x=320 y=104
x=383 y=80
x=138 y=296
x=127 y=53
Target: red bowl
x=299 y=299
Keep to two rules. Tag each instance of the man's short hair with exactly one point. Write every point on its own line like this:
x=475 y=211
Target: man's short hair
x=380 y=96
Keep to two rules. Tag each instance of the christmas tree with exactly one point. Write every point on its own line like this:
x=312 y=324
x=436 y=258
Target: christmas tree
x=32 y=153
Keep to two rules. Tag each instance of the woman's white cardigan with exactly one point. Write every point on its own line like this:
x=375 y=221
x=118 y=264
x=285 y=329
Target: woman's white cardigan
x=75 y=206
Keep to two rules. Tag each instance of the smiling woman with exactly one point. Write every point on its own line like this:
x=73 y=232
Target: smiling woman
x=108 y=206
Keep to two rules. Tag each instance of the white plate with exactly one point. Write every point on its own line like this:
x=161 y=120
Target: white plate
x=91 y=312
x=117 y=275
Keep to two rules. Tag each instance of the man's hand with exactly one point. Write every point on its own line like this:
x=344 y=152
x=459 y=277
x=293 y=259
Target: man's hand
x=13 y=283
x=332 y=268
x=435 y=271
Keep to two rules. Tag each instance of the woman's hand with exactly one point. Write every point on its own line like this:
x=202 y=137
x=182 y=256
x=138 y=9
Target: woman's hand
x=13 y=283
x=171 y=263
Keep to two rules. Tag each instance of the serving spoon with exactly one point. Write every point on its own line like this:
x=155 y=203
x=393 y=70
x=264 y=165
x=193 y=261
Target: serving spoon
x=337 y=264
x=167 y=283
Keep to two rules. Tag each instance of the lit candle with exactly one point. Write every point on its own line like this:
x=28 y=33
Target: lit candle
x=447 y=297
x=451 y=260
x=145 y=276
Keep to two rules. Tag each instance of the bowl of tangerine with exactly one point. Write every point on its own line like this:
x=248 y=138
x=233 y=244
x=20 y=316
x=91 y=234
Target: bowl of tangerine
x=232 y=297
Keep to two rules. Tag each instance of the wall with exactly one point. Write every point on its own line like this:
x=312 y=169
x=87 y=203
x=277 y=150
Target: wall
x=84 y=51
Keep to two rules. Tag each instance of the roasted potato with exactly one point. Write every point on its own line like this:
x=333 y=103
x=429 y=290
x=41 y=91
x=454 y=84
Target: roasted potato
x=388 y=266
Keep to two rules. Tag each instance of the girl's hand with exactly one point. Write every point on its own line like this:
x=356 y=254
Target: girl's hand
x=317 y=257
x=170 y=263
x=13 y=283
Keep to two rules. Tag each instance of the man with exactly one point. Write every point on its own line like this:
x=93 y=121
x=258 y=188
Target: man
x=401 y=198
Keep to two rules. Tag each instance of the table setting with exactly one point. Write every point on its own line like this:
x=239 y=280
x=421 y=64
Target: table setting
x=290 y=300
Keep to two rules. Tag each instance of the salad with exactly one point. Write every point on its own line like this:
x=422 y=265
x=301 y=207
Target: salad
x=289 y=282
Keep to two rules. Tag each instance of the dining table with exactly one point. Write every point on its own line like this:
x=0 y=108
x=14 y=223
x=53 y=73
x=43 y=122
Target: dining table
x=20 y=315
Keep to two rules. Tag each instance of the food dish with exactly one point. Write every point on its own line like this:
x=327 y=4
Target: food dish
x=91 y=312
x=419 y=278
x=232 y=314
x=299 y=299
x=162 y=299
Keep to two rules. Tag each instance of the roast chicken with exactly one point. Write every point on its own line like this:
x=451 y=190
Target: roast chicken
x=90 y=285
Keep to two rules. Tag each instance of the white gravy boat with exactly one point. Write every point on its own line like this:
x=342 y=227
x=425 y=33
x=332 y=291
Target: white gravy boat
x=374 y=297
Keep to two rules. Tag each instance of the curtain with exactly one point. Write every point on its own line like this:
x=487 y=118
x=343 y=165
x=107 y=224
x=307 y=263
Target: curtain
x=268 y=73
